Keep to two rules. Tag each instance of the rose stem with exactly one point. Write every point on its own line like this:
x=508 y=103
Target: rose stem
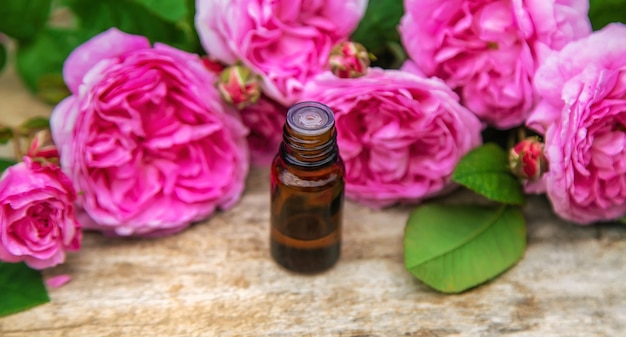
x=17 y=146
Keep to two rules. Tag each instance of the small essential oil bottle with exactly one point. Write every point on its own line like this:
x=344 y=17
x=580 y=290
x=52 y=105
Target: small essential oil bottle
x=307 y=191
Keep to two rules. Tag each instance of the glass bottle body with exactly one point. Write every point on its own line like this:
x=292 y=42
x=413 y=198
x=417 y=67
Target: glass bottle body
x=306 y=215
x=307 y=191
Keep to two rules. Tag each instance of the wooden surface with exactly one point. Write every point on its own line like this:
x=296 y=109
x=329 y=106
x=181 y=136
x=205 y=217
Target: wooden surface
x=217 y=279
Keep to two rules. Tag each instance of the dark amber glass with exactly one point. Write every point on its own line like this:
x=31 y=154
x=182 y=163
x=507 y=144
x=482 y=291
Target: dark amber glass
x=307 y=191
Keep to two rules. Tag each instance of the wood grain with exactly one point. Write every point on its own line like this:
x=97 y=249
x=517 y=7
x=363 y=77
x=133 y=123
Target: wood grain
x=217 y=279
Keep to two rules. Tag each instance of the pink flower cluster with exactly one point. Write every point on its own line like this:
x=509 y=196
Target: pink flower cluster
x=489 y=50
x=400 y=134
x=152 y=147
x=155 y=139
x=537 y=62
x=285 y=41
x=146 y=137
x=583 y=117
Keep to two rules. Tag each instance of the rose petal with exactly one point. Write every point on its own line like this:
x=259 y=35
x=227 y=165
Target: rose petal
x=109 y=44
x=58 y=281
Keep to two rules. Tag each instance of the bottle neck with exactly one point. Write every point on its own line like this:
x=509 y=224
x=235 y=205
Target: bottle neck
x=309 y=151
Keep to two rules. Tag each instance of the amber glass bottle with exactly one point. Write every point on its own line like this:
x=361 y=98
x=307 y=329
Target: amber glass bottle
x=307 y=191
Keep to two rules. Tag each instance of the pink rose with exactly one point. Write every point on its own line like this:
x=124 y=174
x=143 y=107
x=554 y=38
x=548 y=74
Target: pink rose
x=400 y=135
x=284 y=41
x=583 y=115
x=37 y=220
x=265 y=119
x=146 y=138
x=489 y=50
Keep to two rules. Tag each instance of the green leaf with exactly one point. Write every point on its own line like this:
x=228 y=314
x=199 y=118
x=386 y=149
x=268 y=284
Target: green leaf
x=6 y=134
x=51 y=88
x=44 y=57
x=170 y=10
x=5 y=164
x=603 y=12
x=379 y=25
x=3 y=56
x=21 y=288
x=485 y=170
x=454 y=248
x=23 y=19
x=35 y=123
x=132 y=16
x=193 y=40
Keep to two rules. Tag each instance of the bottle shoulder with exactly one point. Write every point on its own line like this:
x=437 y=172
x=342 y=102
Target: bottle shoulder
x=305 y=177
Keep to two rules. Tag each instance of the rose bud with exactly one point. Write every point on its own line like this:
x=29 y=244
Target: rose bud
x=42 y=146
x=527 y=159
x=239 y=86
x=212 y=64
x=349 y=60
